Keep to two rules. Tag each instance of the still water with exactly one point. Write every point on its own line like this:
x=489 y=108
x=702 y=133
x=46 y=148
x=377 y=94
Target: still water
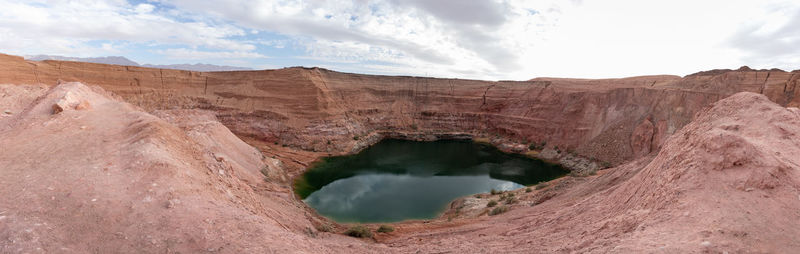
x=397 y=180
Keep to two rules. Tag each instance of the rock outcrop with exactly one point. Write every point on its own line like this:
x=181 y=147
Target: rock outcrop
x=642 y=138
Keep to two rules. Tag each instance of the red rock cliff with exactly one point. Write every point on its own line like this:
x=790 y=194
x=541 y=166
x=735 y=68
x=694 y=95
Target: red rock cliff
x=307 y=107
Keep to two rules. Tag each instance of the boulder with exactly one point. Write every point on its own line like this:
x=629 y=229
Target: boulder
x=70 y=101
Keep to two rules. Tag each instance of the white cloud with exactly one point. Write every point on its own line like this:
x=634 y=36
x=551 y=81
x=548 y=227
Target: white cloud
x=191 y=54
x=479 y=37
x=487 y=39
x=145 y=8
x=83 y=21
x=771 y=37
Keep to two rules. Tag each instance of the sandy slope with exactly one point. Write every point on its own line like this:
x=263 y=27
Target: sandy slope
x=112 y=178
x=727 y=182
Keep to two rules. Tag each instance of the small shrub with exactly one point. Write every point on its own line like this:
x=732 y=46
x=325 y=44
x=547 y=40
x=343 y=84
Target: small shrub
x=495 y=192
x=541 y=186
x=355 y=137
x=324 y=228
x=508 y=198
x=606 y=164
x=265 y=171
x=329 y=142
x=528 y=189
x=583 y=173
x=385 y=229
x=498 y=210
x=276 y=143
x=358 y=231
x=533 y=146
x=491 y=203
x=511 y=200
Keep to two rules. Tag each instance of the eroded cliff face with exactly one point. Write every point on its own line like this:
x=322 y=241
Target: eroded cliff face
x=320 y=110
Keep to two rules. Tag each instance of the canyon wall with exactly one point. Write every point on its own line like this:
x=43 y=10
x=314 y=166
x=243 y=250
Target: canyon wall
x=612 y=120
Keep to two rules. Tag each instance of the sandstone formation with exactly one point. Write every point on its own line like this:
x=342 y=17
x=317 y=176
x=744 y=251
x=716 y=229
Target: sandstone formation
x=153 y=160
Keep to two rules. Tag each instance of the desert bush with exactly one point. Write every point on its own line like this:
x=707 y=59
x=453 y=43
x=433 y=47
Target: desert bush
x=324 y=228
x=491 y=203
x=511 y=200
x=385 y=229
x=583 y=173
x=495 y=192
x=358 y=231
x=265 y=171
x=498 y=210
x=508 y=198
x=528 y=189
x=541 y=186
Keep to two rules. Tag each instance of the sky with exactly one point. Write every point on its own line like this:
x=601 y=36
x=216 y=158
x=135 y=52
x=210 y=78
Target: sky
x=476 y=39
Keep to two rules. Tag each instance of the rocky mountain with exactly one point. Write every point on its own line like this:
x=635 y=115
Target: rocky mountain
x=196 y=67
x=119 y=60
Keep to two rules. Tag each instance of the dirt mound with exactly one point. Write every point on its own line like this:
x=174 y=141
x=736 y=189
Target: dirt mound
x=111 y=178
x=727 y=182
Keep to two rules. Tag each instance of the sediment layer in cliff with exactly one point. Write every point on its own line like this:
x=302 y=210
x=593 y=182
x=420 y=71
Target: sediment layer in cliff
x=611 y=120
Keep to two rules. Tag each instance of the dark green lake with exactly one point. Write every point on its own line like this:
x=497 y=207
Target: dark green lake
x=397 y=180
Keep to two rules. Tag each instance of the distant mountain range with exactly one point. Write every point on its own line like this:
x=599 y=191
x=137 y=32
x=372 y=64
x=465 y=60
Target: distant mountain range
x=120 y=60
